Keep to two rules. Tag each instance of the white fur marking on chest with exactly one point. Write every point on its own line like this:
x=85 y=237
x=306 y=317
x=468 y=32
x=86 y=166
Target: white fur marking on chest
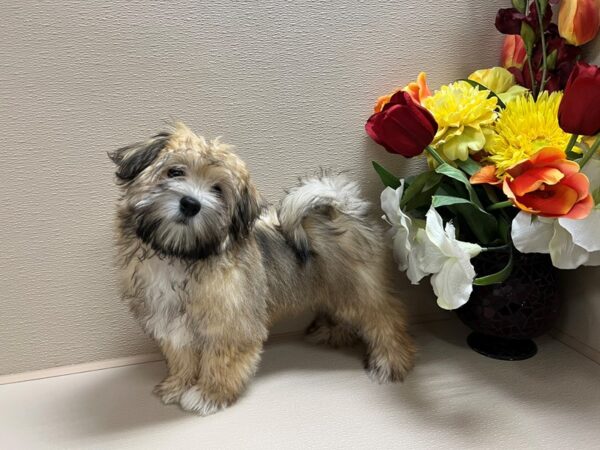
x=165 y=293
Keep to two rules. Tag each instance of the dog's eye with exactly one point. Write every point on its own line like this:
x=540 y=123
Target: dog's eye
x=217 y=189
x=175 y=172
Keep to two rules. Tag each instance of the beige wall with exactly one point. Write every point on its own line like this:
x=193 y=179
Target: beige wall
x=289 y=83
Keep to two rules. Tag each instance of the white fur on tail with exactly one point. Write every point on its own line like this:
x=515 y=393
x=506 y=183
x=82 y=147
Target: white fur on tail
x=336 y=191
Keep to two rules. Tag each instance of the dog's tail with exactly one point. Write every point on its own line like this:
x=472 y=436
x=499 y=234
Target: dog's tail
x=312 y=214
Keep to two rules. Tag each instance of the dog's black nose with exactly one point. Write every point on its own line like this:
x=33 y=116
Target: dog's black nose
x=189 y=206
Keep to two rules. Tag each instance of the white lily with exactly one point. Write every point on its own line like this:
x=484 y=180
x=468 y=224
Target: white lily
x=571 y=243
x=404 y=232
x=430 y=250
x=448 y=259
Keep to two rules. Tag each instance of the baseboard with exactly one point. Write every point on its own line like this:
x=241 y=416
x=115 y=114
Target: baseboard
x=577 y=345
x=152 y=357
x=79 y=368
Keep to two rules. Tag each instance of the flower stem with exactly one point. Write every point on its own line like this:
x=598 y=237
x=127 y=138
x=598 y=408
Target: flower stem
x=493 y=249
x=544 y=53
x=494 y=199
x=500 y=205
x=435 y=154
x=571 y=143
x=591 y=151
x=531 y=75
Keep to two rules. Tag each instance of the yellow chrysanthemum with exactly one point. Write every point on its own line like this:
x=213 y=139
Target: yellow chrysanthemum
x=525 y=126
x=462 y=113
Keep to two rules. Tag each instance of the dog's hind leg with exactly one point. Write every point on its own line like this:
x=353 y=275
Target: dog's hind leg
x=380 y=323
x=225 y=368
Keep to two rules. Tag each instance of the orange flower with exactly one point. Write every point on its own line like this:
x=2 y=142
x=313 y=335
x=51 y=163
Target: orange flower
x=546 y=184
x=579 y=20
x=418 y=90
x=486 y=175
x=513 y=52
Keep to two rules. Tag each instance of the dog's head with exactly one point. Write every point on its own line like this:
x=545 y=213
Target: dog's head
x=185 y=196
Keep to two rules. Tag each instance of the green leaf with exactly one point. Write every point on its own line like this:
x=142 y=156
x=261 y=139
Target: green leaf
x=551 y=60
x=387 y=178
x=447 y=200
x=504 y=228
x=483 y=224
x=491 y=94
x=519 y=5
x=528 y=36
x=457 y=174
x=418 y=193
x=470 y=166
x=497 y=277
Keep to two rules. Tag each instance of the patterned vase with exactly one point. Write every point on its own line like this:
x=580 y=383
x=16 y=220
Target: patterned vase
x=505 y=317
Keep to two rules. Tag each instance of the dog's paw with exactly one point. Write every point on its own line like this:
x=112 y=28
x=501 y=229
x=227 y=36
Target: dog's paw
x=197 y=402
x=384 y=370
x=170 y=390
x=323 y=331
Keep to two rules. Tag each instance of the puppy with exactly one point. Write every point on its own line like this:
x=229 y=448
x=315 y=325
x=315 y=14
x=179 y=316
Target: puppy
x=207 y=267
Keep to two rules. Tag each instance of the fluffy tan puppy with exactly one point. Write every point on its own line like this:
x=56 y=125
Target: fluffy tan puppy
x=207 y=267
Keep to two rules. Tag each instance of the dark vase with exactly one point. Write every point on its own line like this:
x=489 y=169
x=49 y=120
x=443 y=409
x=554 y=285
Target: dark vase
x=505 y=317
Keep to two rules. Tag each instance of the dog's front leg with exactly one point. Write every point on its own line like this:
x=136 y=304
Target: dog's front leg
x=225 y=368
x=183 y=364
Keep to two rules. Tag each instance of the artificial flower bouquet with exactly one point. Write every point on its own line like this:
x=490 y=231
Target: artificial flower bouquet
x=511 y=152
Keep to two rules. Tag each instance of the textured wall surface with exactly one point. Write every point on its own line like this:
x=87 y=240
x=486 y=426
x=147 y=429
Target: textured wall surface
x=289 y=83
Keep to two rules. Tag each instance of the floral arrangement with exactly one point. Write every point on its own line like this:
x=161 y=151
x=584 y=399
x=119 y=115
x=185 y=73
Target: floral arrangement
x=511 y=153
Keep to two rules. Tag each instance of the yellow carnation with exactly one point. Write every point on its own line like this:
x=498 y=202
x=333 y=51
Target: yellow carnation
x=464 y=115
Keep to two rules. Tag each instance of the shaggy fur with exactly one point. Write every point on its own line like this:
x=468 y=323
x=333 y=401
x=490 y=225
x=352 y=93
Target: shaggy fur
x=206 y=285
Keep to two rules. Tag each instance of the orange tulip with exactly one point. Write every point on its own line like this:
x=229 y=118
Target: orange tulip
x=579 y=20
x=418 y=90
x=513 y=52
x=550 y=185
x=546 y=184
x=485 y=175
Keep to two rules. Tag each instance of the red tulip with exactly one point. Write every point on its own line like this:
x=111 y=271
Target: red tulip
x=513 y=52
x=579 y=110
x=403 y=126
x=579 y=20
x=508 y=21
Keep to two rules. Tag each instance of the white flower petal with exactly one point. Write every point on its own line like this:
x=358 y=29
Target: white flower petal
x=390 y=203
x=435 y=229
x=415 y=272
x=404 y=234
x=427 y=255
x=584 y=232
x=564 y=252
x=453 y=284
x=530 y=234
x=402 y=246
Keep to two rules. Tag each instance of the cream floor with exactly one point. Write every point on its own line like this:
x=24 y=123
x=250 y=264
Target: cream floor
x=311 y=397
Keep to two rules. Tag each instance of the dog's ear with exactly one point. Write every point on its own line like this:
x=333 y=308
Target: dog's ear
x=131 y=160
x=246 y=211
